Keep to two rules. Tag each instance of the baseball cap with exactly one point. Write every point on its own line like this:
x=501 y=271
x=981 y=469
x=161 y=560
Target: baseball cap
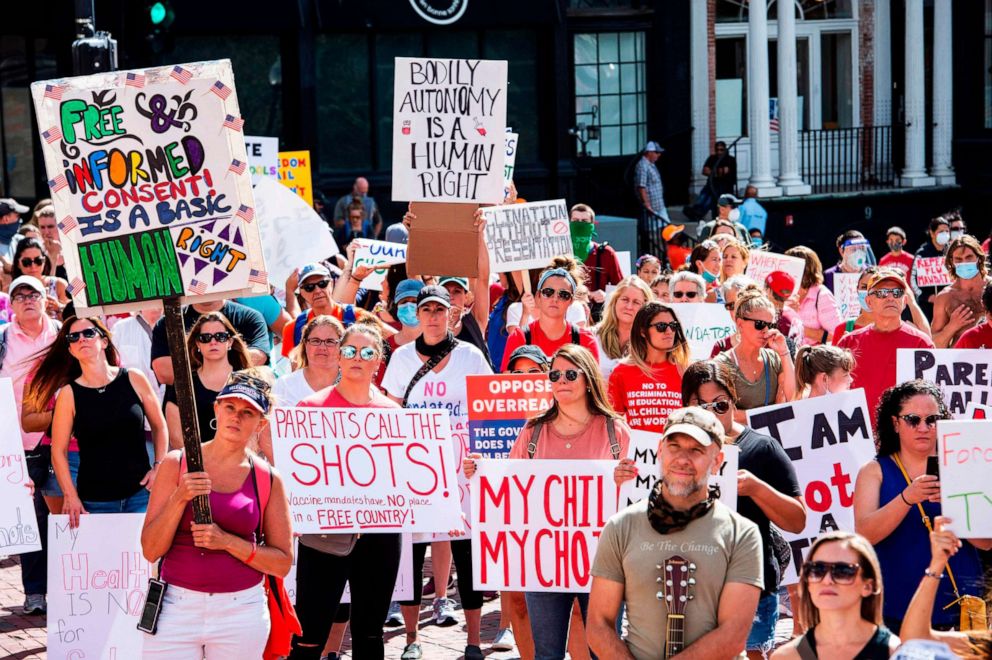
x=898 y=231
x=246 y=392
x=433 y=293
x=700 y=425
x=460 y=281
x=408 y=289
x=28 y=281
x=781 y=284
x=310 y=270
x=727 y=199
x=9 y=205
x=670 y=230
x=882 y=275
x=530 y=352
x=653 y=146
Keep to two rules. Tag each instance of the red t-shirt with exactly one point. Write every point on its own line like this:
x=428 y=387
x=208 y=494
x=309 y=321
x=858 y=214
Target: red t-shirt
x=841 y=330
x=329 y=398
x=903 y=262
x=646 y=401
x=549 y=346
x=978 y=337
x=875 y=353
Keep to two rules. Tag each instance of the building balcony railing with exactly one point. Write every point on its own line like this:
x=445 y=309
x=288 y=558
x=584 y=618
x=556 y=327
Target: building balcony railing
x=847 y=159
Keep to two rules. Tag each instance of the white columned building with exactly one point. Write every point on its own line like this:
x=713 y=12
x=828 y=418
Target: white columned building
x=789 y=179
x=702 y=141
x=943 y=93
x=757 y=93
x=914 y=173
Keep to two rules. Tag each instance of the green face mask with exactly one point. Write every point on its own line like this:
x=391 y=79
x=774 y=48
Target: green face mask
x=582 y=234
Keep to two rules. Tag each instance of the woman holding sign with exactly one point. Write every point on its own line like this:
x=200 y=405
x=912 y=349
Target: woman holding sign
x=897 y=496
x=613 y=332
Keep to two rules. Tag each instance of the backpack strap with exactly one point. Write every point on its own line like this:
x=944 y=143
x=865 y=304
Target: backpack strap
x=849 y=325
x=535 y=435
x=575 y=333
x=427 y=367
x=611 y=431
x=527 y=334
x=263 y=488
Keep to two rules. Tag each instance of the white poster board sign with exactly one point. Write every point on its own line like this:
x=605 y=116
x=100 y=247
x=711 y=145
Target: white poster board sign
x=846 y=293
x=977 y=411
x=930 y=271
x=828 y=439
x=509 y=160
x=704 y=324
x=964 y=375
x=18 y=523
x=381 y=255
x=626 y=259
x=964 y=449
x=761 y=263
x=449 y=130
x=524 y=236
x=263 y=157
x=402 y=589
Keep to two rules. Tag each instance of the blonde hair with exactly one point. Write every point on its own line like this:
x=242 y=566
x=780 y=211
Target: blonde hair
x=871 y=606
x=821 y=359
x=749 y=300
x=298 y=355
x=608 y=329
x=596 y=399
x=740 y=247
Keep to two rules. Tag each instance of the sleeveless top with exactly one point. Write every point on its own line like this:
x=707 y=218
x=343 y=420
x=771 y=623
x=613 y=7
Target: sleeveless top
x=905 y=554
x=877 y=647
x=109 y=427
x=215 y=571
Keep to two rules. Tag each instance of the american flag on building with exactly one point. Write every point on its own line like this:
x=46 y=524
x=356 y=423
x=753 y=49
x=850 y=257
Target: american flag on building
x=773 y=124
x=67 y=224
x=246 y=213
x=54 y=134
x=197 y=287
x=134 y=80
x=58 y=183
x=181 y=74
x=75 y=286
x=220 y=89
x=237 y=166
x=54 y=92
x=258 y=276
x=234 y=123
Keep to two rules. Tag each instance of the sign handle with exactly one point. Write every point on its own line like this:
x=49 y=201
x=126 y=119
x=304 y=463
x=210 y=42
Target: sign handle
x=525 y=276
x=176 y=333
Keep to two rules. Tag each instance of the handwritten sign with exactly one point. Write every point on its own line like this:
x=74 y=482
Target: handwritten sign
x=18 y=523
x=367 y=469
x=964 y=375
x=509 y=160
x=292 y=233
x=704 y=324
x=149 y=176
x=402 y=589
x=643 y=449
x=930 y=271
x=537 y=523
x=964 y=448
x=449 y=126
x=524 y=236
x=97 y=581
x=828 y=439
x=263 y=157
x=378 y=254
x=761 y=263
x=295 y=173
x=500 y=405
x=846 y=293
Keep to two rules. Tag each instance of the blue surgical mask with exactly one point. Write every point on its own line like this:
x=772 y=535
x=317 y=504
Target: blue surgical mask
x=756 y=241
x=863 y=300
x=407 y=314
x=709 y=277
x=966 y=271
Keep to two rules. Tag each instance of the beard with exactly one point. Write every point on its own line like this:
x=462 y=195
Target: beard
x=682 y=488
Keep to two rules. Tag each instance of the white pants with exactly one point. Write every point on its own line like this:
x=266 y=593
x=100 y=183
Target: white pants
x=195 y=625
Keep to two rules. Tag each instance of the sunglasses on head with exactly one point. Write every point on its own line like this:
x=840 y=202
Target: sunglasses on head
x=571 y=375
x=252 y=381
x=719 y=407
x=221 y=337
x=759 y=325
x=563 y=294
x=367 y=353
x=914 y=420
x=840 y=572
x=85 y=333
x=882 y=294
x=26 y=262
x=313 y=285
x=662 y=326
x=678 y=295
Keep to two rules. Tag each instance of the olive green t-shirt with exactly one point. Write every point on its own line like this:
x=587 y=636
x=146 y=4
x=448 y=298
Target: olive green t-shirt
x=761 y=392
x=724 y=546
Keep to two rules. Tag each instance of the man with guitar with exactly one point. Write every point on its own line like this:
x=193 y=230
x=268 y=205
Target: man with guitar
x=688 y=568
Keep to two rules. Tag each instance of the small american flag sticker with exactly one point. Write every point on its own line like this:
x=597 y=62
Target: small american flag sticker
x=258 y=276
x=58 y=183
x=54 y=92
x=134 y=80
x=197 y=287
x=181 y=74
x=234 y=123
x=237 y=166
x=67 y=224
x=246 y=213
x=52 y=135
x=220 y=89
x=75 y=286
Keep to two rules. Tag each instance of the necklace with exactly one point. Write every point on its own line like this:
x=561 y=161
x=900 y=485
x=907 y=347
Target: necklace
x=741 y=365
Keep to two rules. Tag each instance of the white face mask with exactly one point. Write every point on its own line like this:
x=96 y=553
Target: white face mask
x=943 y=237
x=734 y=215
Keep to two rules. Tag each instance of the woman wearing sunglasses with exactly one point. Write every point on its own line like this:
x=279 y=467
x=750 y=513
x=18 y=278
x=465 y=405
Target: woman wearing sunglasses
x=613 y=332
x=761 y=363
x=316 y=360
x=32 y=259
x=840 y=605
x=647 y=384
x=768 y=490
x=104 y=407
x=896 y=491
x=215 y=350
x=729 y=290
x=687 y=287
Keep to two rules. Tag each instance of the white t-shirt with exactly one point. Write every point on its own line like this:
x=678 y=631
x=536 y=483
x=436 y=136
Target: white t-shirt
x=576 y=314
x=606 y=363
x=291 y=389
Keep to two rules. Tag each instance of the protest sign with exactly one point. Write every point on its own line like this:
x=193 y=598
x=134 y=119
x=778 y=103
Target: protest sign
x=263 y=157
x=930 y=271
x=292 y=233
x=846 y=294
x=367 y=469
x=537 y=523
x=380 y=255
x=449 y=130
x=761 y=263
x=443 y=240
x=964 y=451
x=402 y=589
x=509 y=160
x=149 y=176
x=18 y=522
x=828 y=439
x=643 y=448
x=499 y=406
x=625 y=258
x=964 y=375
x=977 y=411
x=295 y=174
x=97 y=580
x=704 y=324
x=525 y=236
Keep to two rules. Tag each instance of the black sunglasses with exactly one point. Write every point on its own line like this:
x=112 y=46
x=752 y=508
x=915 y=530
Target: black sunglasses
x=840 y=572
x=882 y=294
x=759 y=325
x=27 y=261
x=87 y=333
x=571 y=375
x=563 y=294
x=205 y=337
x=313 y=285
x=685 y=294
x=914 y=420
x=719 y=407
x=661 y=326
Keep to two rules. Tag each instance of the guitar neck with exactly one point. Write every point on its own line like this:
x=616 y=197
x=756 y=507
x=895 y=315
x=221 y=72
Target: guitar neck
x=674 y=635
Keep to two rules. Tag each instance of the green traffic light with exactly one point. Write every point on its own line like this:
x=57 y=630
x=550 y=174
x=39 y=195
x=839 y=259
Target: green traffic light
x=157 y=12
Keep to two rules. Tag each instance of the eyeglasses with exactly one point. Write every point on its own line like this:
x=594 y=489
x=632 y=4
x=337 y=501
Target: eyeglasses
x=571 y=375
x=25 y=297
x=367 y=353
x=206 y=337
x=678 y=295
x=759 y=325
x=882 y=294
x=313 y=285
x=662 y=326
x=914 y=420
x=563 y=294
x=840 y=572
x=329 y=343
x=719 y=407
x=85 y=333
x=26 y=262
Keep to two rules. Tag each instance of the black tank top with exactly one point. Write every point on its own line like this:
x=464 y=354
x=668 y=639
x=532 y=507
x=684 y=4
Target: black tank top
x=110 y=428
x=877 y=647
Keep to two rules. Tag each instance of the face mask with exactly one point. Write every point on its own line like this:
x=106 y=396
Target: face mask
x=863 y=300
x=966 y=271
x=943 y=237
x=709 y=277
x=734 y=215
x=756 y=241
x=407 y=314
x=955 y=233
x=895 y=246
x=855 y=260
x=582 y=233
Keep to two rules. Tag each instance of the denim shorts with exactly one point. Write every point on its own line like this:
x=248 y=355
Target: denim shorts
x=762 y=635
x=51 y=487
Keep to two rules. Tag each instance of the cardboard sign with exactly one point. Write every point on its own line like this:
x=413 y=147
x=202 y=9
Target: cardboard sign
x=643 y=449
x=367 y=469
x=509 y=160
x=964 y=448
x=704 y=324
x=930 y=271
x=443 y=240
x=828 y=439
x=964 y=375
x=449 y=130
x=402 y=589
x=97 y=581
x=149 y=176
x=499 y=406
x=525 y=236
x=381 y=255
x=18 y=522
x=846 y=294
x=295 y=173
x=537 y=523
x=263 y=157
x=761 y=263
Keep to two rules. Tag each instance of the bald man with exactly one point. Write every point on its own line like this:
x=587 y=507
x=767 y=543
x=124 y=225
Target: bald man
x=359 y=189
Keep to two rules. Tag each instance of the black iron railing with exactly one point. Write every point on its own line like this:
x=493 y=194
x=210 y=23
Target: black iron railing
x=847 y=159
